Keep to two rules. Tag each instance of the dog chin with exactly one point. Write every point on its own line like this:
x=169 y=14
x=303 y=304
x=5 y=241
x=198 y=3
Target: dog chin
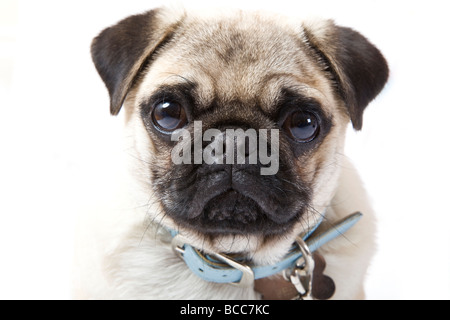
x=232 y=213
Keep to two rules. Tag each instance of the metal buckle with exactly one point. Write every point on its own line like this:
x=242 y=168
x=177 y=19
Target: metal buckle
x=178 y=243
x=248 y=277
x=302 y=274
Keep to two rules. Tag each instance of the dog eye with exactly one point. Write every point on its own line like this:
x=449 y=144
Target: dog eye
x=302 y=126
x=169 y=116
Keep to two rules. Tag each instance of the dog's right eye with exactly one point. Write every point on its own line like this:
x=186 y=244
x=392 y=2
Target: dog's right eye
x=301 y=126
x=168 y=116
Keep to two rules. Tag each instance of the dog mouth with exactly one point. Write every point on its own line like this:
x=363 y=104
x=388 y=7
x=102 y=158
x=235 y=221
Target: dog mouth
x=232 y=206
x=231 y=212
x=238 y=203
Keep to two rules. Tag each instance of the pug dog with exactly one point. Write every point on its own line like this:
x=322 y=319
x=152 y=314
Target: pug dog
x=299 y=82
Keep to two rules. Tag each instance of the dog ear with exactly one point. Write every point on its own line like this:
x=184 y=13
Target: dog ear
x=122 y=51
x=356 y=66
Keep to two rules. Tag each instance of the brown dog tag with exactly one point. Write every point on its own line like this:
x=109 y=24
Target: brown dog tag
x=277 y=288
x=323 y=286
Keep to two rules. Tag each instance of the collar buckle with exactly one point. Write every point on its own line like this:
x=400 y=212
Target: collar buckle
x=178 y=245
x=248 y=277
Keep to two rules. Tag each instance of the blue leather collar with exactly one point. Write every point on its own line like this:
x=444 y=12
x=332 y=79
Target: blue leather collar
x=210 y=269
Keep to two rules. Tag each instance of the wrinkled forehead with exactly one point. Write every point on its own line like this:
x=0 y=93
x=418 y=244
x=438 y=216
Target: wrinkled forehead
x=242 y=58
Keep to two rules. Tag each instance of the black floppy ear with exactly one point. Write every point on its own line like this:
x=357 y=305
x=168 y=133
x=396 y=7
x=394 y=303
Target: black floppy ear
x=120 y=52
x=357 y=66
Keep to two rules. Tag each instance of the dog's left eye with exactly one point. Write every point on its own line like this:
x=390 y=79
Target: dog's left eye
x=169 y=116
x=301 y=126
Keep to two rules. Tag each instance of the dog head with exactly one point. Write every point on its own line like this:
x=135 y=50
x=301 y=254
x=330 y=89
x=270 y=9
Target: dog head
x=187 y=81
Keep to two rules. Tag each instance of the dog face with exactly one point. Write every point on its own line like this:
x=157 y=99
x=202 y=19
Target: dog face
x=291 y=87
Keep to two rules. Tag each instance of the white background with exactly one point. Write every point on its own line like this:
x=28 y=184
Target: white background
x=55 y=128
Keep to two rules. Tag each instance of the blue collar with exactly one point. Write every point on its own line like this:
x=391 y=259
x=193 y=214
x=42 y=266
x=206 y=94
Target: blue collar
x=220 y=268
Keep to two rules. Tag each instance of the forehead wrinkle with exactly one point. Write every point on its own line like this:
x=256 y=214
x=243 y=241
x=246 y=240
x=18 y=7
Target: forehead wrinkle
x=179 y=77
x=206 y=92
x=274 y=84
x=200 y=81
x=163 y=79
